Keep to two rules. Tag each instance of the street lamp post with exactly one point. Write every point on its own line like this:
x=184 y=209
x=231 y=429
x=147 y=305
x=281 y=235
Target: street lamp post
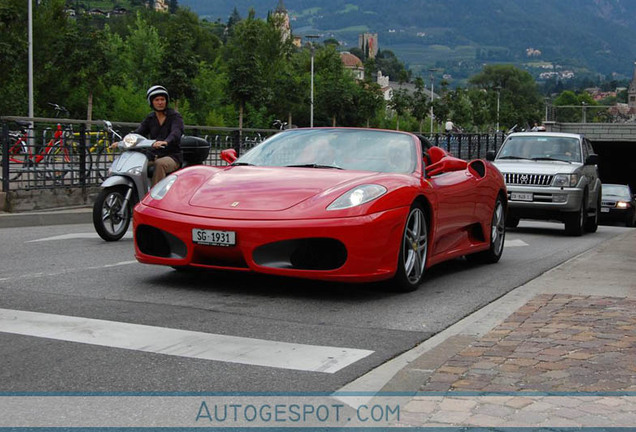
x=311 y=91
x=432 y=96
x=498 y=88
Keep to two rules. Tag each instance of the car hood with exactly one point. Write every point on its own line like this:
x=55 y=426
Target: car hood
x=246 y=188
x=535 y=167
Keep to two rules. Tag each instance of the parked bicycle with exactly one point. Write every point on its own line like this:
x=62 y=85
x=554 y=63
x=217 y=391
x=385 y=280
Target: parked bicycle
x=18 y=143
x=53 y=160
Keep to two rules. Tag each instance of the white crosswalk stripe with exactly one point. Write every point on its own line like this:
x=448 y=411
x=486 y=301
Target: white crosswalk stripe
x=183 y=343
x=514 y=243
x=72 y=236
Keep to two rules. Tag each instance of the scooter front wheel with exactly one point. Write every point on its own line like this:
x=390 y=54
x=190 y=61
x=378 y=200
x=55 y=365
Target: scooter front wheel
x=111 y=213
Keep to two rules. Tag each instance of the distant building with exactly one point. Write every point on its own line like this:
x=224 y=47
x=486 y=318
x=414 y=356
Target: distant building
x=353 y=63
x=388 y=87
x=161 y=5
x=631 y=91
x=284 y=26
x=368 y=43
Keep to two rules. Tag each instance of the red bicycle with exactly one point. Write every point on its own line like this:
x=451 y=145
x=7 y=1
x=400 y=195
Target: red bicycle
x=54 y=160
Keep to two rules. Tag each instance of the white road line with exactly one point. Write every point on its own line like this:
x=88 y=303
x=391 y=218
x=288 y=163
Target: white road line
x=75 y=236
x=181 y=343
x=66 y=271
x=514 y=243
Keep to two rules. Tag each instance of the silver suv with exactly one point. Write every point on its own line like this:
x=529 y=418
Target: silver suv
x=551 y=175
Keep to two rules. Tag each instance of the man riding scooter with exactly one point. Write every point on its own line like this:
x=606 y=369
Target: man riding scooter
x=166 y=126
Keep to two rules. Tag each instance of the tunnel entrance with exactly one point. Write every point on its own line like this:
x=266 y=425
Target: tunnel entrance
x=617 y=162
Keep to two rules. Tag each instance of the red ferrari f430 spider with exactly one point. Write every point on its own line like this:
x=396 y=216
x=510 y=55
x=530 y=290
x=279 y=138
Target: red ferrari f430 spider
x=333 y=204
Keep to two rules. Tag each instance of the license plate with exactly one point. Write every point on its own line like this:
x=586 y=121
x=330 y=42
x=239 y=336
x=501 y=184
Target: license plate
x=605 y=209
x=213 y=237
x=521 y=196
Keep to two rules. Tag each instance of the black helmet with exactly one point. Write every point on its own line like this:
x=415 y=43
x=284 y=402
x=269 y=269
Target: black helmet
x=155 y=91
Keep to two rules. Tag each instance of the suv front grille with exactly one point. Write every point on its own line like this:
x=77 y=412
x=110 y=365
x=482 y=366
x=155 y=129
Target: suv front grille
x=528 y=179
x=608 y=203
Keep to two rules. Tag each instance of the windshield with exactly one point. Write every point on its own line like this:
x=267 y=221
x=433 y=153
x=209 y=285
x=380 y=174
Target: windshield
x=541 y=148
x=350 y=149
x=616 y=190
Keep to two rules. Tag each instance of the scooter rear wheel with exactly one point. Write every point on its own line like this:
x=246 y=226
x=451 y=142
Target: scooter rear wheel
x=110 y=218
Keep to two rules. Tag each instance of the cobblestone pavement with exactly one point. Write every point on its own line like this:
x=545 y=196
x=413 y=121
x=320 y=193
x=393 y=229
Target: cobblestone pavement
x=580 y=349
x=555 y=343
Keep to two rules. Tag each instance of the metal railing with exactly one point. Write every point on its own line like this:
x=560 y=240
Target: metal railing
x=59 y=153
x=56 y=153
x=468 y=146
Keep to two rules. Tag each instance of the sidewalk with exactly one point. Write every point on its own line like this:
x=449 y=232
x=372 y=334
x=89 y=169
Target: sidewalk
x=570 y=333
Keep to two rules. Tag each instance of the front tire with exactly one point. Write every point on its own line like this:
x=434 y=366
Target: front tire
x=111 y=214
x=591 y=222
x=575 y=221
x=413 y=251
x=512 y=222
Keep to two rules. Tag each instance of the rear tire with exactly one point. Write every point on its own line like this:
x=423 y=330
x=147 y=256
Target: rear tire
x=497 y=237
x=413 y=251
x=110 y=218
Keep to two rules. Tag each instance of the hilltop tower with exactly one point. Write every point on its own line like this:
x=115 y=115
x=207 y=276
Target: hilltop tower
x=631 y=92
x=281 y=14
x=368 y=43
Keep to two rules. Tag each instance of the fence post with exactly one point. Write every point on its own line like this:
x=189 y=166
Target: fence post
x=82 y=150
x=5 y=156
x=236 y=138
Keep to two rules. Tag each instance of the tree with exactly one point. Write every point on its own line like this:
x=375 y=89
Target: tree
x=520 y=100
x=334 y=85
x=421 y=102
x=173 y=6
x=400 y=103
x=13 y=52
x=247 y=70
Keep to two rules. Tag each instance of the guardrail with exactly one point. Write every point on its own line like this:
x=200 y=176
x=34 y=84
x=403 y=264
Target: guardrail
x=52 y=153
x=49 y=153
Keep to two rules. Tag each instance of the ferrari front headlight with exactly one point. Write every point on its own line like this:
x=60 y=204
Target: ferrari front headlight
x=357 y=196
x=161 y=189
x=565 y=180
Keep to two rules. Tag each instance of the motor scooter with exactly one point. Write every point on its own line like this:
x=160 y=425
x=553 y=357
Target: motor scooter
x=129 y=179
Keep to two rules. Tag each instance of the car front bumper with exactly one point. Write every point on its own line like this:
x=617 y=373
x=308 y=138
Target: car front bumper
x=356 y=249
x=548 y=199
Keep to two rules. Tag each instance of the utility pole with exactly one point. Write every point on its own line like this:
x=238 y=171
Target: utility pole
x=311 y=91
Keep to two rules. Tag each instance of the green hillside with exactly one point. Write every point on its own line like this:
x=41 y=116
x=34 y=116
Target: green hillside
x=584 y=36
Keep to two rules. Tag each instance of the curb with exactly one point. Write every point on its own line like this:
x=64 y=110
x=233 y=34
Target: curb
x=66 y=216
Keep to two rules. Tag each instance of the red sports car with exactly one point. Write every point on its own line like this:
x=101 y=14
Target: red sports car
x=338 y=204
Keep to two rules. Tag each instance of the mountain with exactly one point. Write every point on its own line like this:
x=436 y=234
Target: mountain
x=549 y=37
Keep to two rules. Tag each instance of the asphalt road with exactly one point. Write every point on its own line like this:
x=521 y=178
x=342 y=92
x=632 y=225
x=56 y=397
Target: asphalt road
x=67 y=271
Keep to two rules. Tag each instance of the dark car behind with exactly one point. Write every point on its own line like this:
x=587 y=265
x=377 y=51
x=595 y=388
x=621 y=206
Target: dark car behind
x=618 y=204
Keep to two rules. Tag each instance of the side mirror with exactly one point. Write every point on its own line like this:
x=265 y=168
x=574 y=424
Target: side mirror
x=229 y=155
x=592 y=160
x=490 y=155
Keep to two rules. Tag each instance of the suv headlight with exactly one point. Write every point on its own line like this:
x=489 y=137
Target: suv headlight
x=565 y=180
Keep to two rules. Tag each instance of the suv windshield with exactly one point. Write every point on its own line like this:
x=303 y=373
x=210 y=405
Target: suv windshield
x=541 y=148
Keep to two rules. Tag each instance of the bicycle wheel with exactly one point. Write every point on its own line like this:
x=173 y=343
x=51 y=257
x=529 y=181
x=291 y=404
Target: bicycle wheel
x=76 y=157
x=105 y=159
x=18 y=158
x=59 y=161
